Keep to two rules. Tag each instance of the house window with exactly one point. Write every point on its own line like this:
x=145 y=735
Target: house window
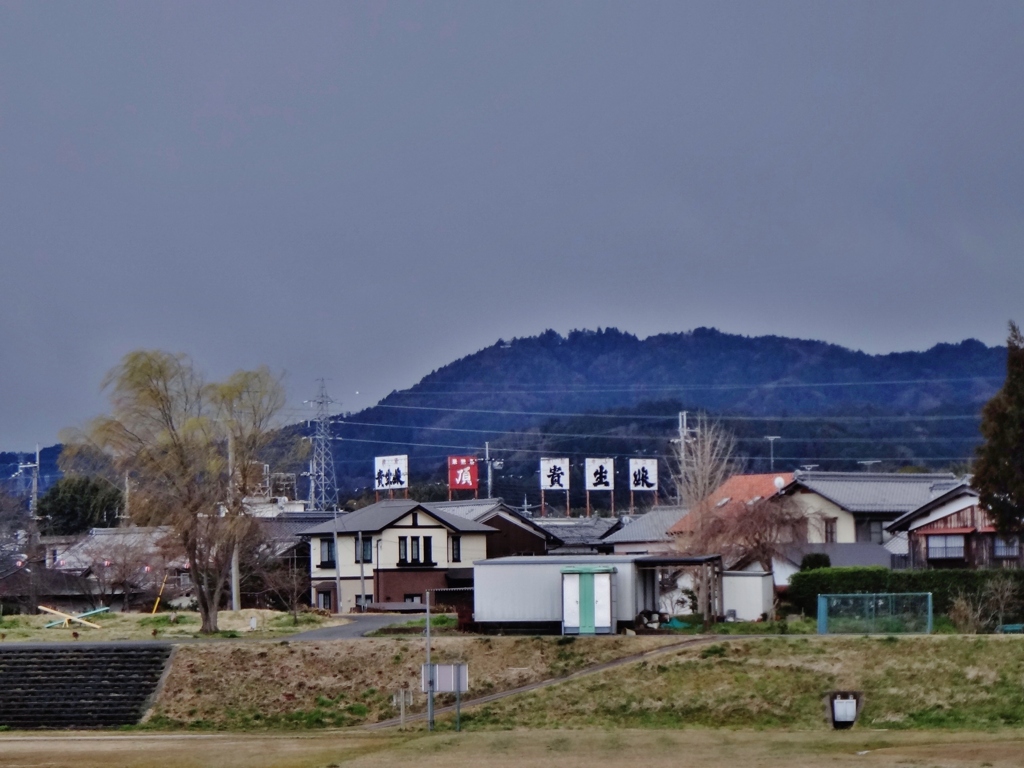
x=428 y=555
x=363 y=600
x=185 y=580
x=830 y=530
x=415 y=519
x=875 y=529
x=403 y=549
x=415 y=549
x=367 y=554
x=413 y=599
x=946 y=547
x=456 y=549
x=1007 y=547
x=326 y=553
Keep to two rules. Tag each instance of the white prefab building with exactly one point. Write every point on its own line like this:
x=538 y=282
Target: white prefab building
x=580 y=594
x=747 y=595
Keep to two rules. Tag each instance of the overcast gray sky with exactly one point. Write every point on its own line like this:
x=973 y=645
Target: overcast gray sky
x=366 y=191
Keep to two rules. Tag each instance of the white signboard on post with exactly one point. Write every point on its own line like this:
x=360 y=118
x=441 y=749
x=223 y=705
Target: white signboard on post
x=390 y=472
x=643 y=474
x=600 y=474
x=554 y=474
x=448 y=678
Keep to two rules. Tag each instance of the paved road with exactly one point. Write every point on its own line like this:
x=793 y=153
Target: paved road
x=358 y=626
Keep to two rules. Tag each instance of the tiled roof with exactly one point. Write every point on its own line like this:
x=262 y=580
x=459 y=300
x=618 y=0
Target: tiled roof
x=578 y=531
x=651 y=526
x=482 y=510
x=876 y=491
x=843 y=555
x=471 y=509
x=731 y=495
x=379 y=516
x=115 y=543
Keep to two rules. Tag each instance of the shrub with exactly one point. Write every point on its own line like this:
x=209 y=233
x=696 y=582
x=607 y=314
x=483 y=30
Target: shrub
x=945 y=585
x=814 y=560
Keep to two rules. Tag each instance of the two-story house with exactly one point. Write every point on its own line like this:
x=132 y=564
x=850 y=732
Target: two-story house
x=392 y=552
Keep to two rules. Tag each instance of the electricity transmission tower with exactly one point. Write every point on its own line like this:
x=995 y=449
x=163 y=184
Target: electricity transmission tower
x=323 y=488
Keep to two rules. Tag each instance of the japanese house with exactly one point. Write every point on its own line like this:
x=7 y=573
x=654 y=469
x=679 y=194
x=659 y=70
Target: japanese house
x=516 y=534
x=390 y=553
x=954 y=531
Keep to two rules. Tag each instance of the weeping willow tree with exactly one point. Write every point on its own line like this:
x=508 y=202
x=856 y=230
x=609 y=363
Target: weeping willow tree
x=191 y=448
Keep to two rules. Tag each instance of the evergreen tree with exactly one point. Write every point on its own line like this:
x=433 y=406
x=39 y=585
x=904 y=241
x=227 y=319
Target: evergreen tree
x=76 y=504
x=999 y=471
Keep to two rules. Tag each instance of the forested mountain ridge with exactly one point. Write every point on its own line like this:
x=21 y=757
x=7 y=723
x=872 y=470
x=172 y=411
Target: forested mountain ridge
x=609 y=393
x=589 y=391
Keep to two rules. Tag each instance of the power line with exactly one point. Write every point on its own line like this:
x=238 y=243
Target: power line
x=811 y=419
x=612 y=436
x=694 y=387
x=412 y=444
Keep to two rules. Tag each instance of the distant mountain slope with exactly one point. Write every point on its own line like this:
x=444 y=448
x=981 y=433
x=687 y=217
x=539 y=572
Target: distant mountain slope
x=534 y=385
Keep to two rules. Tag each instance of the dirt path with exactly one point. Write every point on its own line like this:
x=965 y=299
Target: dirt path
x=688 y=643
x=589 y=748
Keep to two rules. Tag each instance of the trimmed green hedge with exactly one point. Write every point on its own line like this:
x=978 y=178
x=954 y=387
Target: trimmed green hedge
x=805 y=586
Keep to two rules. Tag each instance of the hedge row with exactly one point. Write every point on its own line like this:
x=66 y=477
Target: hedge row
x=804 y=587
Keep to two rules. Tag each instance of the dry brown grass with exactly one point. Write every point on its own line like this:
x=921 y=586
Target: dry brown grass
x=345 y=683
x=139 y=626
x=521 y=749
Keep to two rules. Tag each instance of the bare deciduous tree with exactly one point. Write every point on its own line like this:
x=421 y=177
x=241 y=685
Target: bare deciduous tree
x=177 y=436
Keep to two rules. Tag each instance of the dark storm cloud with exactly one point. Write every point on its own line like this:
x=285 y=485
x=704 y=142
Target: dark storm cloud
x=366 y=191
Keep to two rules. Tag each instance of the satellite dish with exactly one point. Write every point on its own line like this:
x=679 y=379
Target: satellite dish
x=779 y=482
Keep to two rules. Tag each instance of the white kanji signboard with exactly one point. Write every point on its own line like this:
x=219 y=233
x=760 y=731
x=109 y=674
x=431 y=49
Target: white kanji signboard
x=554 y=474
x=643 y=474
x=390 y=472
x=600 y=474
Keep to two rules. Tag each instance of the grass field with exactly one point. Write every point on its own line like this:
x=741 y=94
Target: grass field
x=141 y=626
x=912 y=682
x=521 y=749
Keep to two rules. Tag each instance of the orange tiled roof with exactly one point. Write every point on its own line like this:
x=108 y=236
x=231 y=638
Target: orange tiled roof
x=731 y=495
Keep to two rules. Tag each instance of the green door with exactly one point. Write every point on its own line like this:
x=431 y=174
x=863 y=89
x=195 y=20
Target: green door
x=586 y=603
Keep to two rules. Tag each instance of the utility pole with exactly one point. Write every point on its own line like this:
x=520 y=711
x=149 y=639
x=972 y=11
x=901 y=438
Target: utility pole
x=771 y=447
x=362 y=575
x=236 y=578
x=127 y=496
x=430 y=673
x=682 y=456
x=490 y=471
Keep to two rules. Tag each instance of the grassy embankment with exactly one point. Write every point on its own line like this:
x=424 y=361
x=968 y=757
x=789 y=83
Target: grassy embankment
x=297 y=685
x=974 y=682
x=162 y=626
x=910 y=682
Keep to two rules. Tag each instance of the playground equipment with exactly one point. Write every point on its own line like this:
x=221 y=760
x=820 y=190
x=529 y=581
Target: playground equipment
x=66 y=618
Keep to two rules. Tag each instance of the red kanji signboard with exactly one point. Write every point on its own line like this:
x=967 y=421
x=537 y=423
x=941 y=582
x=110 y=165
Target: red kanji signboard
x=462 y=473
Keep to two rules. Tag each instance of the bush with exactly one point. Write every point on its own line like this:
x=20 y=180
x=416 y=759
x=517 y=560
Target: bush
x=814 y=560
x=945 y=585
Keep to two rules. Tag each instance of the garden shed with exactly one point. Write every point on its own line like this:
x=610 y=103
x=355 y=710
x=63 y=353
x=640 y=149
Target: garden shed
x=583 y=594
